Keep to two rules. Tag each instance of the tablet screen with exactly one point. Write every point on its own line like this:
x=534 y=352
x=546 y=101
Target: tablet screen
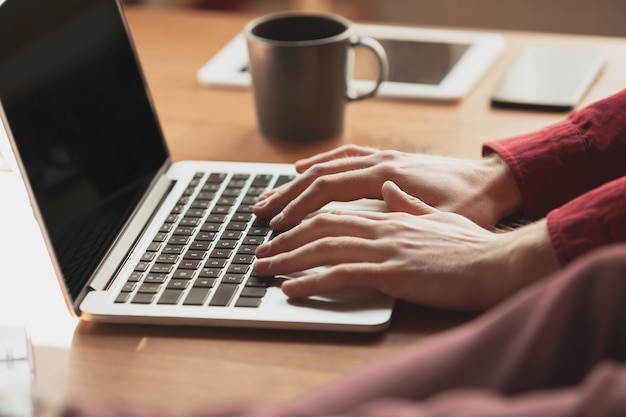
x=418 y=62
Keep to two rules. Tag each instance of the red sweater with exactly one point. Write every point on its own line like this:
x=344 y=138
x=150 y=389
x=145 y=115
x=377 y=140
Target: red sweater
x=575 y=173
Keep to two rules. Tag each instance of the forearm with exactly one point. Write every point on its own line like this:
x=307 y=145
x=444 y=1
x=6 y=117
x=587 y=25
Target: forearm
x=517 y=259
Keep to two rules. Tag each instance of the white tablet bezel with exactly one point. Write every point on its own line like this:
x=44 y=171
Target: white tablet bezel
x=225 y=68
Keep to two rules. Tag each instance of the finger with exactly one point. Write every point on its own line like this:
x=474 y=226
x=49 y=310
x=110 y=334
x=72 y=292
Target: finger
x=343 y=171
x=341 y=187
x=399 y=201
x=322 y=252
x=331 y=224
x=336 y=278
x=345 y=151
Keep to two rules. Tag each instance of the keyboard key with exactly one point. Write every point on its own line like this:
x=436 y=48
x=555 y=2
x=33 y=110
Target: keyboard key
x=215 y=218
x=206 y=236
x=233 y=278
x=246 y=250
x=197 y=296
x=231 y=235
x=142 y=266
x=148 y=256
x=221 y=210
x=122 y=298
x=205 y=282
x=215 y=263
x=210 y=272
x=256 y=292
x=194 y=254
x=200 y=245
x=149 y=288
x=236 y=226
x=211 y=187
x=177 y=284
x=170 y=297
x=167 y=258
x=156 y=278
x=205 y=195
x=216 y=178
x=243 y=259
x=251 y=302
x=165 y=228
x=242 y=217
x=253 y=240
x=189 y=221
x=232 y=192
x=161 y=268
x=223 y=295
x=143 y=298
x=184 y=274
x=178 y=241
x=177 y=249
x=221 y=254
x=135 y=277
x=262 y=180
x=283 y=179
x=189 y=264
x=160 y=237
x=226 y=244
x=226 y=201
x=257 y=281
x=197 y=213
x=184 y=230
x=238 y=269
x=258 y=231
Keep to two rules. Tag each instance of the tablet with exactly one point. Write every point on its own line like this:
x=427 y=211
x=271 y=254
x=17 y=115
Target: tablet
x=423 y=63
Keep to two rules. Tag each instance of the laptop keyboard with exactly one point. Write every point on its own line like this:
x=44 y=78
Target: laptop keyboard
x=203 y=252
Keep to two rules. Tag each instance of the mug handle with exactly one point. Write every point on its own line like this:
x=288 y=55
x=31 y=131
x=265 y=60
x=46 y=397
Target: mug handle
x=383 y=65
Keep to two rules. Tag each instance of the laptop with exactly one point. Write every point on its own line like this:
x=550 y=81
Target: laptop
x=133 y=237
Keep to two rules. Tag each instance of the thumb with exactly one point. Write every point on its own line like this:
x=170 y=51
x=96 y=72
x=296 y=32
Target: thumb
x=398 y=200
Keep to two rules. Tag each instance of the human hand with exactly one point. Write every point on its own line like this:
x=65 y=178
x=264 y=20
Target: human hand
x=482 y=190
x=415 y=252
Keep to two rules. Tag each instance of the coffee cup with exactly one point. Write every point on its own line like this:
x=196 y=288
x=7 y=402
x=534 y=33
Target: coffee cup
x=300 y=65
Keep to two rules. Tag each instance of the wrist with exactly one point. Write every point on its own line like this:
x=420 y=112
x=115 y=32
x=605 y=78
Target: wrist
x=503 y=197
x=527 y=254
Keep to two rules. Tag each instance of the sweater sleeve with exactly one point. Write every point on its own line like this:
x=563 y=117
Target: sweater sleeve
x=595 y=219
x=563 y=161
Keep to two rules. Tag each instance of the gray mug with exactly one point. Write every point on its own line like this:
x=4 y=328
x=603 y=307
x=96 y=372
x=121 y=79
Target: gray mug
x=300 y=64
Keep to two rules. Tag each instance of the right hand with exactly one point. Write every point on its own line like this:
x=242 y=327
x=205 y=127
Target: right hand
x=414 y=252
x=482 y=190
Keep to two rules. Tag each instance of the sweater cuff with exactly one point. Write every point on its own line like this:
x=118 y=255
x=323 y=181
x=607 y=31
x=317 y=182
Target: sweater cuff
x=541 y=163
x=592 y=220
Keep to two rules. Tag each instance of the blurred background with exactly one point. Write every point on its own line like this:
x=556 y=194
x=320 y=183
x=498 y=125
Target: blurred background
x=589 y=17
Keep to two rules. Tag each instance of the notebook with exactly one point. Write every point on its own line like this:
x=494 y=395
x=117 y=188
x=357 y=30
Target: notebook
x=133 y=237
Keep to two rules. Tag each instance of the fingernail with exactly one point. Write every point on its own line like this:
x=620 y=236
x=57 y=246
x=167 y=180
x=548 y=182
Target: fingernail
x=262 y=249
x=276 y=220
x=261 y=264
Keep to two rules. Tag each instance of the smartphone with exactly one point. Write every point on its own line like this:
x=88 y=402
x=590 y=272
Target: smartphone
x=549 y=77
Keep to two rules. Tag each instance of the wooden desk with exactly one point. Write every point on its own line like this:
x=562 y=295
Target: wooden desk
x=179 y=369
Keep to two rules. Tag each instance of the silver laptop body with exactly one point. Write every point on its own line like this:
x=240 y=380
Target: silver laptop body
x=124 y=226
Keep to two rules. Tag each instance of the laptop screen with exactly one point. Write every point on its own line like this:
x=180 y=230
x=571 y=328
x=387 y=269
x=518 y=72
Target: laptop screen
x=75 y=102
